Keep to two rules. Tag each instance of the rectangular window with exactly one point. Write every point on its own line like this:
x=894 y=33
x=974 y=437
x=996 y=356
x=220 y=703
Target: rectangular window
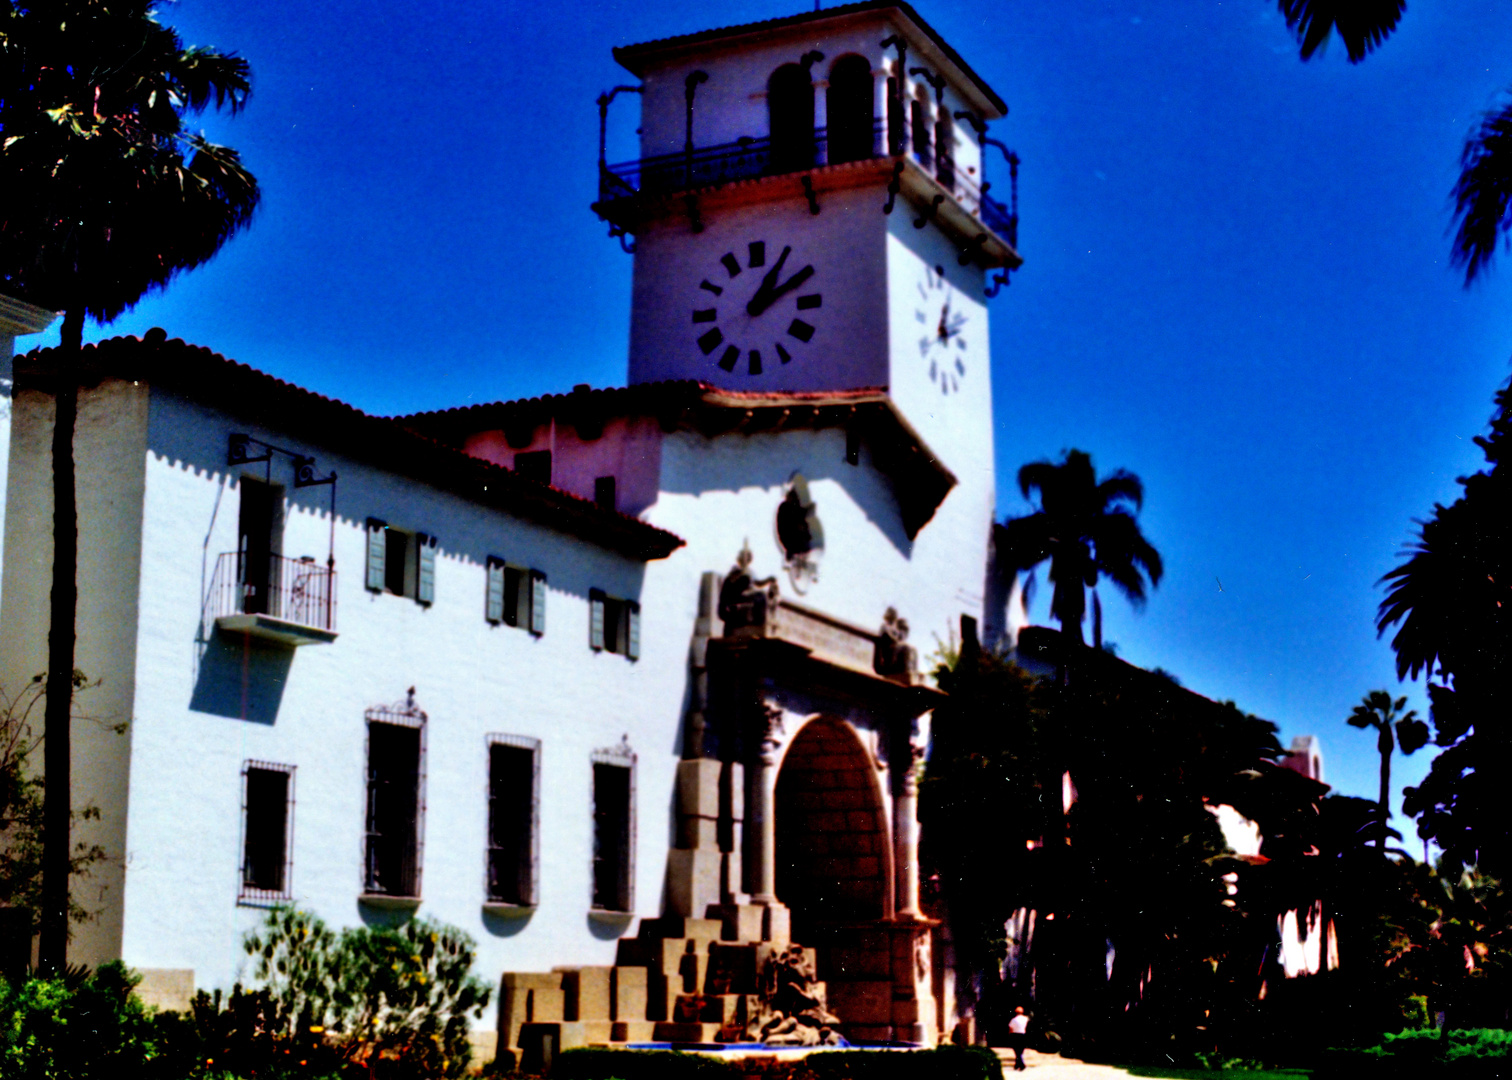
x=513 y=764
x=613 y=834
x=401 y=562
x=267 y=830
x=534 y=465
x=603 y=492
x=516 y=596
x=395 y=778
x=613 y=624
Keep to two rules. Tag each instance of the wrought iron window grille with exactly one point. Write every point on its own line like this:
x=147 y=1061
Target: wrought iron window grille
x=267 y=864
x=512 y=876
x=394 y=834
x=612 y=883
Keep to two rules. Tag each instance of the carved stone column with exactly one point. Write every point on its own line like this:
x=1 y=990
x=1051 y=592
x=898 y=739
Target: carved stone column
x=776 y=919
x=906 y=833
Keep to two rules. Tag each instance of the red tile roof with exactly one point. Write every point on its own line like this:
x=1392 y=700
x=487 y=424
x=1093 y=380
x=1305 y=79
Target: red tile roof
x=209 y=378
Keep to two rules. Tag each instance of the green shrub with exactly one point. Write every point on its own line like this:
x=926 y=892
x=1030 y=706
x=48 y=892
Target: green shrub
x=1468 y=1054
x=78 y=1028
x=395 y=1000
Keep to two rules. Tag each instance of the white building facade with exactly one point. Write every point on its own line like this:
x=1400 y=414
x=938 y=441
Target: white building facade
x=607 y=678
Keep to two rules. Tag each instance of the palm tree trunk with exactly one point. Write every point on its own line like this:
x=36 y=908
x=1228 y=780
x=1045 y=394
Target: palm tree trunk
x=1384 y=744
x=52 y=951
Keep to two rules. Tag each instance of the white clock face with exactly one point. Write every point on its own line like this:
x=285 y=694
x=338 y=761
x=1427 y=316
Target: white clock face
x=756 y=312
x=942 y=320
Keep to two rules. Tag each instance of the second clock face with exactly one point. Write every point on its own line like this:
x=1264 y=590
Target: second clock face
x=757 y=309
x=942 y=343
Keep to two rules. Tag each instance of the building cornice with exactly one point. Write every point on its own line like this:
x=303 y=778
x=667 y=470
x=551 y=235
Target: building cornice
x=210 y=379
x=18 y=317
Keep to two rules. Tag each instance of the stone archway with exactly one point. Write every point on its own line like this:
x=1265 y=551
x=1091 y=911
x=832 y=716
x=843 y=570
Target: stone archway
x=832 y=847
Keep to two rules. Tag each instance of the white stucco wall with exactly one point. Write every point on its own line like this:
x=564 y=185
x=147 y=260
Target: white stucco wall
x=205 y=705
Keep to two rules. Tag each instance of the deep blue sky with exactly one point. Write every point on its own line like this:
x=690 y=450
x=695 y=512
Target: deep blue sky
x=1236 y=282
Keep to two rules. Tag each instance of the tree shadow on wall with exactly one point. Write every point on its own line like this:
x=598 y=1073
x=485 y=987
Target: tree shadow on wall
x=241 y=678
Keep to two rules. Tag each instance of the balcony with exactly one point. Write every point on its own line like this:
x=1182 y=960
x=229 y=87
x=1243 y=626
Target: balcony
x=292 y=603
x=628 y=189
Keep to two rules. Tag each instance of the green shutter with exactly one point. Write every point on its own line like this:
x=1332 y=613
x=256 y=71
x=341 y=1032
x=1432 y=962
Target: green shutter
x=494 y=607
x=425 y=579
x=632 y=629
x=595 y=619
x=375 y=543
x=537 y=602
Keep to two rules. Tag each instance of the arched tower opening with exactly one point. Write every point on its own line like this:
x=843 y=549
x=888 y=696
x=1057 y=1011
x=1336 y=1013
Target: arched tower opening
x=790 y=112
x=832 y=851
x=848 y=108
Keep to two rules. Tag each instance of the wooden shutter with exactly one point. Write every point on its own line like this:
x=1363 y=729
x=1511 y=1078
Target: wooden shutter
x=632 y=629
x=425 y=577
x=375 y=548
x=537 y=602
x=494 y=605
x=595 y=619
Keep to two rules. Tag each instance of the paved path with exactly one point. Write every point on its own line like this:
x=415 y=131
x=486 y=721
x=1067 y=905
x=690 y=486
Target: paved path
x=1054 y=1067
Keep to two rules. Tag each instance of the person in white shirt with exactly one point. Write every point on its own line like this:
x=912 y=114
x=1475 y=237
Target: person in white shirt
x=1018 y=1036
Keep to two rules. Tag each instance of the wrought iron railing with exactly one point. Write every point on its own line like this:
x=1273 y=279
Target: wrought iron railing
x=750 y=158
x=298 y=591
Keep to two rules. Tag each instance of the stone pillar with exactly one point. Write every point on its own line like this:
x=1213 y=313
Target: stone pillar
x=776 y=920
x=906 y=834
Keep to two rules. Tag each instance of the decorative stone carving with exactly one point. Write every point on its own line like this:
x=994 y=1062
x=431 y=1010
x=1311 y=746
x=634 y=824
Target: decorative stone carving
x=793 y=1010
x=772 y=732
x=745 y=601
x=894 y=655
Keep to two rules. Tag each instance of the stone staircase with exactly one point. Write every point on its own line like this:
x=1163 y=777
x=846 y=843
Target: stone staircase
x=679 y=980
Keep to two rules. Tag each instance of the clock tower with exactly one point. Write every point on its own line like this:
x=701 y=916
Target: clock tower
x=810 y=214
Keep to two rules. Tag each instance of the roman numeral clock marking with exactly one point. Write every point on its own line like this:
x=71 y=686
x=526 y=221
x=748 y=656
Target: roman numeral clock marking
x=751 y=315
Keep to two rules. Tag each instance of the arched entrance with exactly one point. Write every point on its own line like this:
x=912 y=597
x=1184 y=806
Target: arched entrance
x=833 y=855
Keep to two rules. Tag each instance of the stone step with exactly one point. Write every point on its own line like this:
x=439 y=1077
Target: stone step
x=687 y=1033
x=679 y=926
x=722 y=1009
x=632 y=1031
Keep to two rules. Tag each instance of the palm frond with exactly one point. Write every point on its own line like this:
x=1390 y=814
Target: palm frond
x=1483 y=194
x=1361 y=24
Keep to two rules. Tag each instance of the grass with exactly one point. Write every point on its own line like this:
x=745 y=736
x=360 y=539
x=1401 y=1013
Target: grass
x=1155 y=1071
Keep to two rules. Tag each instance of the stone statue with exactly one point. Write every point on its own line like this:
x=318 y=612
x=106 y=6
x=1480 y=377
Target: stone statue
x=894 y=655
x=746 y=601
x=794 y=1010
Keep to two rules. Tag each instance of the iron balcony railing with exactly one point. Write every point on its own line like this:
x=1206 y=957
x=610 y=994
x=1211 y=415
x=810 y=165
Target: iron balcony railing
x=298 y=591
x=750 y=158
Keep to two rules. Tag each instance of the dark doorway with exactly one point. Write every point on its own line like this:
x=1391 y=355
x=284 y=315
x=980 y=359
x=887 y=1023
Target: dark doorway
x=790 y=111
x=255 y=544
x=849 y=107
x=832 y=848
x=393 y=810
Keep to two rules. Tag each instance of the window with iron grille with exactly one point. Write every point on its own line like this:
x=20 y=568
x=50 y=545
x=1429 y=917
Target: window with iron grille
x=513 y=818
x=267 y=831
x=614 y=829
x=395 y=801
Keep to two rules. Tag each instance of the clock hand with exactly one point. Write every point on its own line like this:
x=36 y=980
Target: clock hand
x=763 y=298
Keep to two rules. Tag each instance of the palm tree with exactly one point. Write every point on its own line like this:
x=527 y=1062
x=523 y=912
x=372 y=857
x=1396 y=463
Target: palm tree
x=1085 y=529
x=106 y=197
x=1377 y=710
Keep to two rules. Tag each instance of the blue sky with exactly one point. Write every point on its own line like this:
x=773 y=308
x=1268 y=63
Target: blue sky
x=1236 y=280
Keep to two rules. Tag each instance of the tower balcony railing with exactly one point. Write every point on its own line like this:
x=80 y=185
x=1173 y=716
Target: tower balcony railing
x=750 y=158
x=290 y=601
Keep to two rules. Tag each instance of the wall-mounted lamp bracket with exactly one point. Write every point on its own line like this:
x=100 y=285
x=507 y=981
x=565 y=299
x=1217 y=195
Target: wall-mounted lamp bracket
x=239 y=450
x=304 y=473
